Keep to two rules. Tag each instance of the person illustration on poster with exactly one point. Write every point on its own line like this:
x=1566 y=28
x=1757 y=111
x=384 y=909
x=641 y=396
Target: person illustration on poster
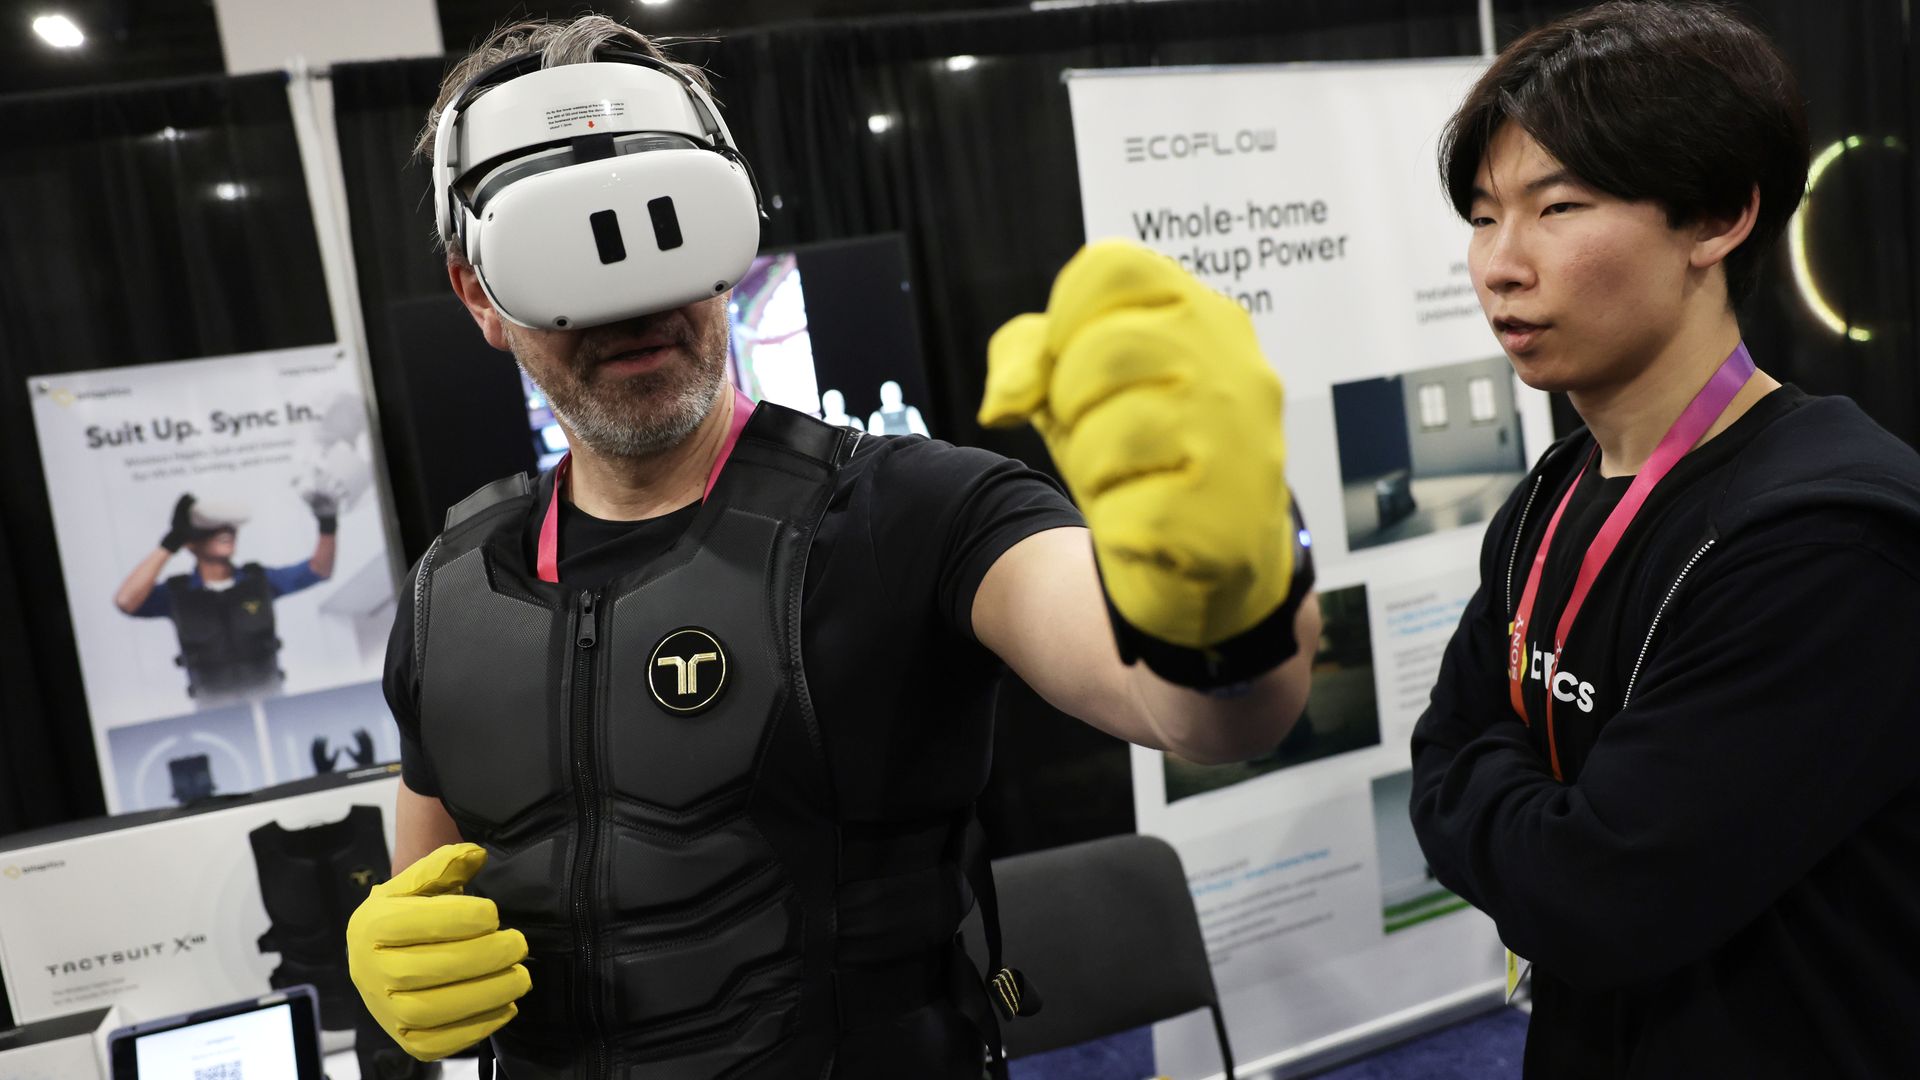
x=223 y=613
x=895 y=416
x=833 y=409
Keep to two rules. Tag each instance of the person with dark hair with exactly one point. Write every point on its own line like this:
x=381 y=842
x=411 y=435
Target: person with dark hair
x=1672 y=750
x=222 y=612
x=692 y=725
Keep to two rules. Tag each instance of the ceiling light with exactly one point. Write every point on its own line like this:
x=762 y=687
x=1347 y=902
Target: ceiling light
x=879 y=123
x=230 y=192
x=963 y=62
x=59 y=31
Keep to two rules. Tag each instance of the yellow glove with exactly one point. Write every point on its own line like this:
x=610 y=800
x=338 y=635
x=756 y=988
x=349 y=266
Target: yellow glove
x=433 y=965
x=1163 y=418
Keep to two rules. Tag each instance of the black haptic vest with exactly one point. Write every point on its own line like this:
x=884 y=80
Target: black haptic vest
x=227 y=640
x=645 y=768
x=311 y=880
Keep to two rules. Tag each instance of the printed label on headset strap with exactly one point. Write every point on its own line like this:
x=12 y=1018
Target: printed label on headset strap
x=570 y=115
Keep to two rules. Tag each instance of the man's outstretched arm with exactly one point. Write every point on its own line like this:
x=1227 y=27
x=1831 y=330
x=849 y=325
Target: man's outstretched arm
x=1040 y=608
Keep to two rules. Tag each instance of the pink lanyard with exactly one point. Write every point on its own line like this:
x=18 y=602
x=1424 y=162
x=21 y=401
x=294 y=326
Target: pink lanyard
x=549 y=555
x=1706 y=408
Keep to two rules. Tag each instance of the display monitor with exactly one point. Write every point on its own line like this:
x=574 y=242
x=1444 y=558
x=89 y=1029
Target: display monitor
x=828 y=329
x=273 y=1036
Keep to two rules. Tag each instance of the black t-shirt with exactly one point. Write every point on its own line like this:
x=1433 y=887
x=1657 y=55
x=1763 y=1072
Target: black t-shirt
x=910 y=530
x=1594 y=497
x=1601 y=648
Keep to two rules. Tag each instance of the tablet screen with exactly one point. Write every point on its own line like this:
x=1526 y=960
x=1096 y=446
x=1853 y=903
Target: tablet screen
x=256 y=1045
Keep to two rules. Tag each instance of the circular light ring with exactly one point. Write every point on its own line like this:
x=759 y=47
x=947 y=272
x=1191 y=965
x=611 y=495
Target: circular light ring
x=1797 y=238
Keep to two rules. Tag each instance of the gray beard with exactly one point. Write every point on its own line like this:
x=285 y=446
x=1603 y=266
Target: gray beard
x=596 y=424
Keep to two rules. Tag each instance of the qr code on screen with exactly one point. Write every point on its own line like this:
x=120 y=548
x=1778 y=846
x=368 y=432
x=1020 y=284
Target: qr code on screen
x=226 y=1070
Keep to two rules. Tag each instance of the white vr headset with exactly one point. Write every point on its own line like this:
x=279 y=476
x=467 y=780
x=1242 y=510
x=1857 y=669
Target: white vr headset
x=602 y=191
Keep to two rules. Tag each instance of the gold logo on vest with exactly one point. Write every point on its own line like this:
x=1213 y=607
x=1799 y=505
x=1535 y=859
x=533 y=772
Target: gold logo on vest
x=687 y=671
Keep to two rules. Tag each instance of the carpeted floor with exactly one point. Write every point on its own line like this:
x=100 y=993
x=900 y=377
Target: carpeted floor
x=1484 y=1048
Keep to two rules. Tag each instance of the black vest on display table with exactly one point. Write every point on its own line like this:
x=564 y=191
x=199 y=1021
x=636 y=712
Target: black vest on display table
x=645 y=768
x=311 y=880
x=227 y=640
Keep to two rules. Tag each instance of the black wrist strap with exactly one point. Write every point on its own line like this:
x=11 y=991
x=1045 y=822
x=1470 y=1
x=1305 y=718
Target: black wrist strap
x=1240 y=658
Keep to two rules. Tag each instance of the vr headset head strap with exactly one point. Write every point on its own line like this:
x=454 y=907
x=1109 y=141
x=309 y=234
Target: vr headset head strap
x=446 y=170
x=449 y=218
x=703 y=104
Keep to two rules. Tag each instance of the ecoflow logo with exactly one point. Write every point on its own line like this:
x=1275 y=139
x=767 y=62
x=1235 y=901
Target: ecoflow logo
x=1182 y=145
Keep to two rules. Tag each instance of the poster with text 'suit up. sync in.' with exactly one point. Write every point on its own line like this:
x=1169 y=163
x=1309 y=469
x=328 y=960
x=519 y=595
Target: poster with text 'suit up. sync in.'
x=224 y=548
x=1310 y=194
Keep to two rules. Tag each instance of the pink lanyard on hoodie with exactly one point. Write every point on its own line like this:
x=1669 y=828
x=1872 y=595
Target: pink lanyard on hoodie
x=1701 y=413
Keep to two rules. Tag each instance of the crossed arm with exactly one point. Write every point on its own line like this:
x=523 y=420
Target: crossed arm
x=1760 y=739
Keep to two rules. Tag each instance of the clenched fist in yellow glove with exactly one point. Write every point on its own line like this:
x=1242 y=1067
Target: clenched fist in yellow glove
x=1164 y=419
x=433 y=965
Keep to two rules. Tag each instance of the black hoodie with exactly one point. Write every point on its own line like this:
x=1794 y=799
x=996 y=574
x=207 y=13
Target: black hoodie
x=1727 y=881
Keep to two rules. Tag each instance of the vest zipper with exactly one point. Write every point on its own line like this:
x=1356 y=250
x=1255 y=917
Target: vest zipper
x=586 y=787
x=421 y=581
x=1654 y=626
x=1513 y=557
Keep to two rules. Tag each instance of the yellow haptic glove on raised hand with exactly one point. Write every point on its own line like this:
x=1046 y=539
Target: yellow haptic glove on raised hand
x=1164 y=419
x=432 y=964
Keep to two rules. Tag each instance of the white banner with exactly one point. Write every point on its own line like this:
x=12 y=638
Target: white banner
x=252 y=654
x=1310 y=193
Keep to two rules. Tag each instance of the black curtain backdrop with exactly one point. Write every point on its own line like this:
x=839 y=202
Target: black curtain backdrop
x=116 y=249
x=114 y=257
x=379 y=108
x=978 y=167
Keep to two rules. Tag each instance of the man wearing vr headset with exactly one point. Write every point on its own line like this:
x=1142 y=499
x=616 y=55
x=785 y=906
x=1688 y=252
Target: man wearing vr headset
x=711 y=700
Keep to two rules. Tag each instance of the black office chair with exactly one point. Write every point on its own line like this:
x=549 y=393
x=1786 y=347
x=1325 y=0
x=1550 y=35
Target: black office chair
x=1107 y=933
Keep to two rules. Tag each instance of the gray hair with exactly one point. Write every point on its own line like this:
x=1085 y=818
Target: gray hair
x=557 y=43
